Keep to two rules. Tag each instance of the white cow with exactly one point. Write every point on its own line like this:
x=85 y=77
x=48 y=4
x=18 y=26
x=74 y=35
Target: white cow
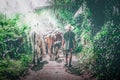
x=38 y=47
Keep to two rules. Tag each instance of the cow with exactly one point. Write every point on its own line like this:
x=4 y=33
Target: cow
x=48 y=42
x=38 y=47
x=57 y=42
x=53 y=44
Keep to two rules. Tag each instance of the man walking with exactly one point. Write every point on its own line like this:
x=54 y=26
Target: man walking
x=68 y=44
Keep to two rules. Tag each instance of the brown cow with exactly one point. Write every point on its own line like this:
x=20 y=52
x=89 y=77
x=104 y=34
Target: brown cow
x=53 y=44
x=57 y=44
x=48 y=40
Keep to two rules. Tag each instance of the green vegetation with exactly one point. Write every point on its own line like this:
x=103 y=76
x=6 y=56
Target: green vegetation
x=14 y=53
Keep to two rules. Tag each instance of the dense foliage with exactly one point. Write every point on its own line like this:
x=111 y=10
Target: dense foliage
x=14 y=52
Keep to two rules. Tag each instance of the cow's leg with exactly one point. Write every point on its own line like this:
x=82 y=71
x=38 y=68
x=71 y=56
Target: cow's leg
x=41 y=53
x=49 y=52
x=33 y=51
x=57 y=52
x=56 y=55
x=36 y=59
x=52 y=51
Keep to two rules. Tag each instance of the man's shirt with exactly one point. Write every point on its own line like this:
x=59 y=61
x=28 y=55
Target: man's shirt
x=69 y=37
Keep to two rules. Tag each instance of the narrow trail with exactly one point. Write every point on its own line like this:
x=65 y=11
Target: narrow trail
x=53 y=70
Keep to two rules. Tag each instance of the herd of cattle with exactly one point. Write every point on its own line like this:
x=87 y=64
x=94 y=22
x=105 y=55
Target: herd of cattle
x=46 y=44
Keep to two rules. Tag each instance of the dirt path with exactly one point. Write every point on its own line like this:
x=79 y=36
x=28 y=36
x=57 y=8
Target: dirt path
x=52 y=70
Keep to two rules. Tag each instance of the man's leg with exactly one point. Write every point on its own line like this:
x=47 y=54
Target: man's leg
x=70 y=59
x=66 y=58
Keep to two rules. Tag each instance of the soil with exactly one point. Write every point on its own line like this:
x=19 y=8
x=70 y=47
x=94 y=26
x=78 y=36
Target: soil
x=55 y=70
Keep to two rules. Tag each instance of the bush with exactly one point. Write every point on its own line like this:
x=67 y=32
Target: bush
x=106 y=49
x=26 y=59
x=11 y=69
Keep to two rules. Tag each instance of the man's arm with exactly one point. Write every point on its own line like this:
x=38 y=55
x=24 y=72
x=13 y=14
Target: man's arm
x=74 y=41
x=63 y=40
x=63 y=43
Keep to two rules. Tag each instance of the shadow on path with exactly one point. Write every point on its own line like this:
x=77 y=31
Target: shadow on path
x=59 y=60
x=75 y=69
x=39 y=66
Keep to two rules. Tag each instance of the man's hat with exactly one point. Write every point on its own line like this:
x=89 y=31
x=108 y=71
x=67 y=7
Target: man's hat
x=69 y=27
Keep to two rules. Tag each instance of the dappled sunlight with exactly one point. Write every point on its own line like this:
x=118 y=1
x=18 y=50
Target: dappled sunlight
x=36 y=35
x=42 y=23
